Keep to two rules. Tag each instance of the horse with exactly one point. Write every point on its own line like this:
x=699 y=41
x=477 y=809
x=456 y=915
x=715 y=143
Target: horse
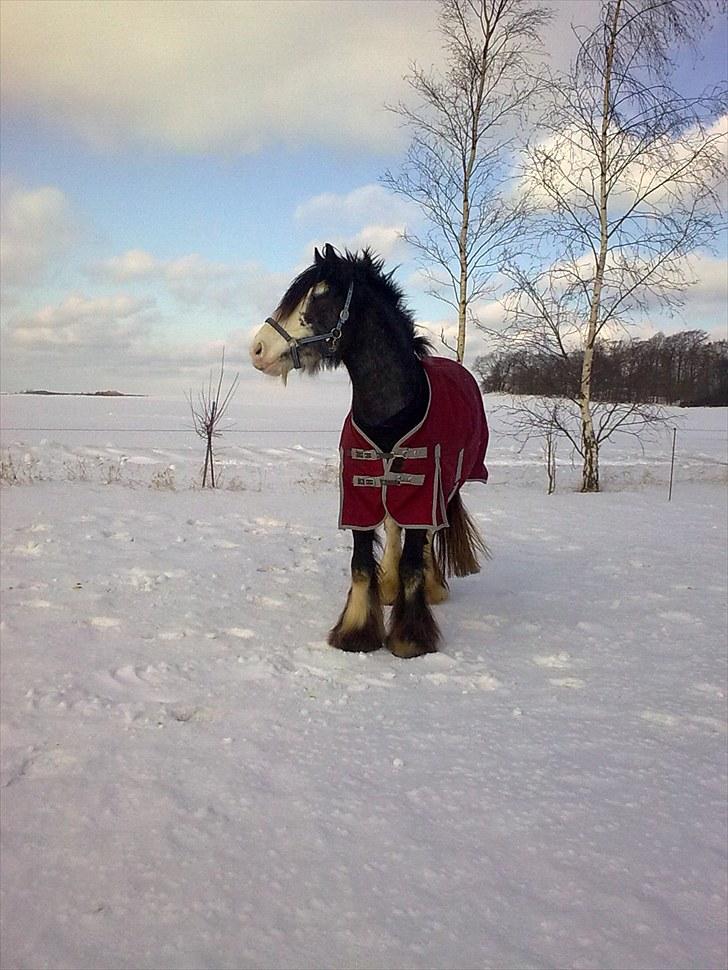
x=415 y=433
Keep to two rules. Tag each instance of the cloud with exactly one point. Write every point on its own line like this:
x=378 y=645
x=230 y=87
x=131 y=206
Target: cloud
x=365 y=204
x=443 y=331
x=227 y=77
x=369 y=215
x=569 y=161
x=37 y=226
x=136 y=264
x=384 y=241
x=80 y=322
x=246 y=288
x=215 y=76
x=706 y=299
x=123 y=342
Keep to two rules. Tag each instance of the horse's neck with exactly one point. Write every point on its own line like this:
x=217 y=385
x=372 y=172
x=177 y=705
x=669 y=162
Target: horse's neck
x=389 y=390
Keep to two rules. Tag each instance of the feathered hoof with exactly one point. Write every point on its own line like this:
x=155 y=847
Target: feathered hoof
x=364 y=640
x=408 y=649
x=413 y=630
x=360 y=628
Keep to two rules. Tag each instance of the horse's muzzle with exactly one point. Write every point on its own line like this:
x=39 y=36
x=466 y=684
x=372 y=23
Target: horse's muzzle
x=268 y=352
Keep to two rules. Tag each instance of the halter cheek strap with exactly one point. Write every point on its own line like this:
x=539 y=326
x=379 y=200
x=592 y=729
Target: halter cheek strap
x=331 y=339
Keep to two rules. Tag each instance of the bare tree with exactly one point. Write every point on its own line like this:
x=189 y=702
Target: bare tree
x=208 y=410
x=627 y=175
x=460 y=157
x=547 y=420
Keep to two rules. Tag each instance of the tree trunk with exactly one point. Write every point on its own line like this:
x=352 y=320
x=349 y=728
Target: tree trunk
x=463 y=238
x=590 y=453
x=462 y=299
x=212 y=464
x=207 y=459
x=208 y=455
x=589 y=442
x=468 y=166
x=550 y=455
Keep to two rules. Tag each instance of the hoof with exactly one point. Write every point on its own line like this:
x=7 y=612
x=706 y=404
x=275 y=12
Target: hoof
x=360 y=628
x=408 y=649
x=365 y=640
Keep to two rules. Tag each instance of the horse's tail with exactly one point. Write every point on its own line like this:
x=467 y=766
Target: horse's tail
x=457 y=547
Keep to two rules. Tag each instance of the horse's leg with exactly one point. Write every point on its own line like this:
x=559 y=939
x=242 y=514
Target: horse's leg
x=389 y=566
x=360 y=628
x=413 y=630
x=436 y=589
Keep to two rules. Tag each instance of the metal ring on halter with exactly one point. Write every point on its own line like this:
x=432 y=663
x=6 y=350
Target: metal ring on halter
x=332 y=339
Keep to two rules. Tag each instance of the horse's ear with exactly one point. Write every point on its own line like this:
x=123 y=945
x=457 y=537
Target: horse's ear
x=330 y=254
x=318 y=259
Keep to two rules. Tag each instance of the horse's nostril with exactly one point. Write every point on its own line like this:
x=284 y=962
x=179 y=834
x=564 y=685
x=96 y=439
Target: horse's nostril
x=258 y=349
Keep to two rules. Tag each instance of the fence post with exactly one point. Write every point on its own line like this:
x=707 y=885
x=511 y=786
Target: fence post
x=672 y=464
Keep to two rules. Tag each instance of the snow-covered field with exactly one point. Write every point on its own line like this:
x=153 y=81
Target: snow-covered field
x=193 y=779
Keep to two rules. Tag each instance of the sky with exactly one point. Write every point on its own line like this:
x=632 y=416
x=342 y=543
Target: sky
x=167 y=168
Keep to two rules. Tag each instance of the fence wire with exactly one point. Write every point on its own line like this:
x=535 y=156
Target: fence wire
x=117 y=430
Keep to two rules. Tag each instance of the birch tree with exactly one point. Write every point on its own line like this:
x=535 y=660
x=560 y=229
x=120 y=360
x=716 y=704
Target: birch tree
x=627 y=175
x=459 y=160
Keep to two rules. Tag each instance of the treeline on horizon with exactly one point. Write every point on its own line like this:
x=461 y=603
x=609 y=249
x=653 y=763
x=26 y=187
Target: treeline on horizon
x=685 y=368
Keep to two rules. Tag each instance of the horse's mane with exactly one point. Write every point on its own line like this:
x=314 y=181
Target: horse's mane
x=366 y=269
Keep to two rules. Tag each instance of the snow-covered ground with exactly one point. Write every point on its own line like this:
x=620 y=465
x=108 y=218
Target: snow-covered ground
x=193 y=779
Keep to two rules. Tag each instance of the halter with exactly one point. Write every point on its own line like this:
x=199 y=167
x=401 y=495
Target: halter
x=332 y=338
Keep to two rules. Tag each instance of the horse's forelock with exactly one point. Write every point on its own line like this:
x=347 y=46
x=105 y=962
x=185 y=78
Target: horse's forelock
x=297 y=290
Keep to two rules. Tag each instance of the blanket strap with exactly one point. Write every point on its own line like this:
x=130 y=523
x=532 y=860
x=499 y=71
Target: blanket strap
x=371 y=454
x=392 y=478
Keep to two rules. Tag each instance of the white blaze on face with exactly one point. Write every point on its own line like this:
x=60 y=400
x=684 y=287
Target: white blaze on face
x=269 y=351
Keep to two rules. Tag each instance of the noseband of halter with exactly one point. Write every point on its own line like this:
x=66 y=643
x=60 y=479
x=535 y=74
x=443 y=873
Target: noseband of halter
x=330 y=339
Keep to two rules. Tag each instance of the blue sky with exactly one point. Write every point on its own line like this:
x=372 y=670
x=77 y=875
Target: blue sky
x=167 y=168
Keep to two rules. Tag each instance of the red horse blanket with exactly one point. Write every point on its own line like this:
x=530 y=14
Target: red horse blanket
x=416 y=480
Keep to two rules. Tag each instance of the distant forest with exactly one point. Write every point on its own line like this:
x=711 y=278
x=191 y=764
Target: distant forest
x=684 y=368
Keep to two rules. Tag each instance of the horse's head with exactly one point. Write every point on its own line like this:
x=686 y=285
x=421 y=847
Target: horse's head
x=308 y=324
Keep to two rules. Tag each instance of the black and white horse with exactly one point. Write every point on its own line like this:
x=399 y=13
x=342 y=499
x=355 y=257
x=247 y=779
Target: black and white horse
x=416 y=432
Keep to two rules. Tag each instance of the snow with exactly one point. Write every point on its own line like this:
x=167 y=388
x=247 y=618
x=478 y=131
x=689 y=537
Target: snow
x=192 y=778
